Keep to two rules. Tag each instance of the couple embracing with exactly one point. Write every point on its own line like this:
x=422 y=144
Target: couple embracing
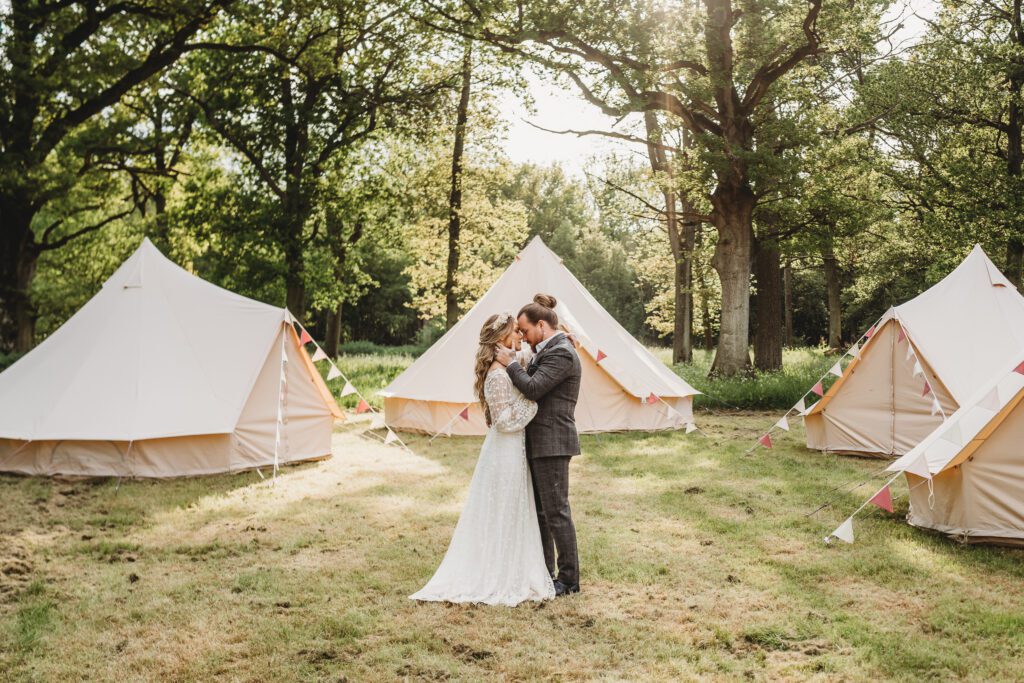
x=517 y=515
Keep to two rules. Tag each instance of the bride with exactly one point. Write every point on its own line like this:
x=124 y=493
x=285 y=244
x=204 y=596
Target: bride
x=495 y=556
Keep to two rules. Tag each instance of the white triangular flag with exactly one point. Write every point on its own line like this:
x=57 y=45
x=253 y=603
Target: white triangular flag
x=936 y=408
x=800 y=406
x=919 y=467
x=347 y=389
x=377 y=422
x=836 y=369
x=390 y=438
x=319 y=355
x=284 y=355
x=334 y=373
x=855 y=350
x=991 y=400
x=917 y=368
x=844 y=532
x=284 y=375
x=690 y=427
x=953 y=434
x=783 y=424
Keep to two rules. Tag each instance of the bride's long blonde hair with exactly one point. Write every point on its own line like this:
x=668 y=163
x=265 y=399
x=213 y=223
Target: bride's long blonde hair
x=495 y=328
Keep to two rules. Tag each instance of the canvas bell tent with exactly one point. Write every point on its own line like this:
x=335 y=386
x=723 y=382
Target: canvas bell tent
x=955 y=337
x=966 y=478
x=162 y=374
x=624 y=387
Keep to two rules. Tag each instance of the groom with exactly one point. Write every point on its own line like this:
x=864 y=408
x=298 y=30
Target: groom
x=553 y=381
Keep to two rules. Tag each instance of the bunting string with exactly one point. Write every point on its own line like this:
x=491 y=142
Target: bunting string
x=801 y=408
x=377 y=420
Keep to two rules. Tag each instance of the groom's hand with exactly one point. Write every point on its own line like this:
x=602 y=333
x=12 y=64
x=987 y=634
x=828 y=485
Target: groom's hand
x=505 y=355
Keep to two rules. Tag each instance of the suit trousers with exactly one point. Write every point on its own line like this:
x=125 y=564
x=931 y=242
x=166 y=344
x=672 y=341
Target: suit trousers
x=551 y=495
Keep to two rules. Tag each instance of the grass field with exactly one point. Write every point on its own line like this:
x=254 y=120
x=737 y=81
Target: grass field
x=697 y=562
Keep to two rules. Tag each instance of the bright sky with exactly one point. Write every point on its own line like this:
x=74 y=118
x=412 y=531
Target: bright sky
x=559 y=108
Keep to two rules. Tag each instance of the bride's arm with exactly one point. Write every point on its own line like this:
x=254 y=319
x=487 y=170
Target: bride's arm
x=510 y=412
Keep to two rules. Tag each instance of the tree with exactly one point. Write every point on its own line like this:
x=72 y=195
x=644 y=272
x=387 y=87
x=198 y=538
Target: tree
x=290 y=86
x=65 y=65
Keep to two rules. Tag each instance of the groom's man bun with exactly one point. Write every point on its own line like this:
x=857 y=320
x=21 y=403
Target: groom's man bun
x=542 y=308
x=545 y=300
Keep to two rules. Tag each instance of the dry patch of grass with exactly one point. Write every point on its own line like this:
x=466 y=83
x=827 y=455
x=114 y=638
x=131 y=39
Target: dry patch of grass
x=698 y=562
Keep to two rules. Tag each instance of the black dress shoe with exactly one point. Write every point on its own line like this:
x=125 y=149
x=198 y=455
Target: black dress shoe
x=566 y=589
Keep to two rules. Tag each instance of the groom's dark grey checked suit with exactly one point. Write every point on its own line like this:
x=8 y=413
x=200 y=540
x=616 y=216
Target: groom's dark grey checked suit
x=553 y=381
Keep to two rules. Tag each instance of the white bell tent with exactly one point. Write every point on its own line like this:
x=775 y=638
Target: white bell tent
x=162 y=374
x=955 y=336
x=624 y=387
x=966 y=478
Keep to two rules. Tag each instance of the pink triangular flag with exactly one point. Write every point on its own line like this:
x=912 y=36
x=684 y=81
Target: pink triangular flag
x=991 y=400
x=867 y=335
x=783 y=424
x=334 y=373
x=390 y=438
x=836 y=370
x=305 y=338
x=883 y=499
x=1019 y=369
x=919 y=466
x=817 y=389
x=652 y=398
x=902 y=336
x=319 y=355
x=363 y=407
x=601 y=355
x=927 y=389
x=766 y=440
x=348 y=389
x=518 y=258
x=464 y=414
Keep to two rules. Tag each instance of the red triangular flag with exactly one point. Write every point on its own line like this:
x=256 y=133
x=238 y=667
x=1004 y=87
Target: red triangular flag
x=601 y=355
x=927 y=389
x=305 y=338
x=1020 y=368
x=882 y=499
x=465 y=413
x=766 y=440
x=652 y=398
x=903 y=335
x=867 y=335
x=817 y=389
x=362 y=407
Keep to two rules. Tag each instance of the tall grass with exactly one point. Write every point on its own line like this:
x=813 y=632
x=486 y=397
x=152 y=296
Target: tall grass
x=371 y=367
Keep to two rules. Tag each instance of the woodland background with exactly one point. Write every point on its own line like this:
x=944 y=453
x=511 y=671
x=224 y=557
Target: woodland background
x=791 y=168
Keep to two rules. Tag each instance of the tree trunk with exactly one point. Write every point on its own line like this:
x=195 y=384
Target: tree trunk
x=332 y=342
x=18 y=259
x=768 y=324
x=733 y=217
x=705 y=294
x=787 y=299
x=455 y=197
x=1015 y=261
x=834 y=289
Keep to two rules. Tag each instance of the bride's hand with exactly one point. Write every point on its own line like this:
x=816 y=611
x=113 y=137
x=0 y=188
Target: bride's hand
x=505 y=355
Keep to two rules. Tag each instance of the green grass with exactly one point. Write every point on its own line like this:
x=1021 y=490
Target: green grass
x=699 y=561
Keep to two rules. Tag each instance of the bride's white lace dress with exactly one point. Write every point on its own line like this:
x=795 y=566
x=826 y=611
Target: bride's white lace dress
x=495 y=556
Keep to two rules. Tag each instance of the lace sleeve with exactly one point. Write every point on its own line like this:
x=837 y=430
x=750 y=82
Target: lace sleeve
x=510 y=411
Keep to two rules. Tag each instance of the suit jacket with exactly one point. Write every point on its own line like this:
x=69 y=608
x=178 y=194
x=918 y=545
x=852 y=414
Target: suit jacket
x=553 y=381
